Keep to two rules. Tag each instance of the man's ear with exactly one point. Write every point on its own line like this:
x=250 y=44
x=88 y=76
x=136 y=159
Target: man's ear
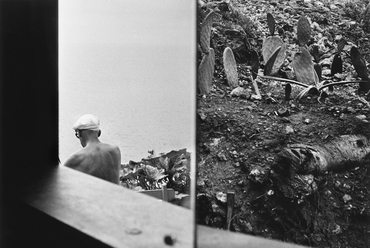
x=99 y=133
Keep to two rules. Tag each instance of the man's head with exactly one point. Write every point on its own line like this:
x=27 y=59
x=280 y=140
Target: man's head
x=87 y=127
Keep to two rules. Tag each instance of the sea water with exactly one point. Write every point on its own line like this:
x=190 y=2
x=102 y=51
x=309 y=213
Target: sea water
x=131 y=66
x=142 y=95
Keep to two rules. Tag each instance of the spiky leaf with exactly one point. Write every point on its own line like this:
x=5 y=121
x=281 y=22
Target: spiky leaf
x=360 y=66
x=271 y=23
x=271 y=61
x=230 y=67
x=254 y=63
x=318 y=70
x=205 y=32
x=315 y=53
x=288 y=91
x=341 y=45
x=303 y=67
x=206 y=70
x=303 y=30
x=336 y=65
x=269 y=46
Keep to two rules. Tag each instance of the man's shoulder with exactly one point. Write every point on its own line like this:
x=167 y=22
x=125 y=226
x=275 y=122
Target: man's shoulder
x=110 y=147
x=75 y=159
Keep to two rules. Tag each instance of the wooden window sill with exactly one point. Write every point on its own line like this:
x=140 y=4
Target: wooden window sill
x=118 y=217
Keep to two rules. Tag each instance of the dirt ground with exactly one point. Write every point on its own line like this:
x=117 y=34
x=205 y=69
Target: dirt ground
x=238 y=135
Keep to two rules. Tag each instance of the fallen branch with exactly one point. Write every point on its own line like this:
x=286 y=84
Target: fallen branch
x=341 y=153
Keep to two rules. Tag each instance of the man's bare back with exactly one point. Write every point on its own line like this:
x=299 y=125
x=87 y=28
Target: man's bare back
x=96 y=158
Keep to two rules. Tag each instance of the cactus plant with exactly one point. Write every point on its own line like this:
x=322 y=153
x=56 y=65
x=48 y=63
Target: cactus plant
x=206 y=70
x=230 y=67
x=303 y=67
x=271 y=62
x=271 y=23
x=269 y=46
x=361 y=69
x=308 y=73
x=205 y=32
x=303 y=31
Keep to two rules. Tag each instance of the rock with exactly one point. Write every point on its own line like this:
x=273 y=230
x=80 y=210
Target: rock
x=337 y=229
x=237 y=91
x=346 y=198
x=258 y=175
x=221 y=157
x=319 y=4
x=326 y=72
x=326 y=62
x=333 y=7
x=316 y=26
x=283 y=112
x=222 y=197
x=307 y=121
x=361 y=117
x=215 y=142
x=289 y=130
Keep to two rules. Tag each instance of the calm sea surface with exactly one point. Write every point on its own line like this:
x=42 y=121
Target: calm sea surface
x=143 y=95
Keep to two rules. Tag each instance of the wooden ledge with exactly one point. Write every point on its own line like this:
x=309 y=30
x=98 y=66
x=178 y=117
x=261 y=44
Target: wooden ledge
x=107 y=212
x=118 y=217
x=210 y=237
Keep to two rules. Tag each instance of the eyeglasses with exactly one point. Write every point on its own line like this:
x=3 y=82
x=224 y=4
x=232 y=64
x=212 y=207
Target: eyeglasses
x=78 y=134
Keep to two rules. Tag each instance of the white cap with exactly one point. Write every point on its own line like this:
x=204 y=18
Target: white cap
x=89 y=121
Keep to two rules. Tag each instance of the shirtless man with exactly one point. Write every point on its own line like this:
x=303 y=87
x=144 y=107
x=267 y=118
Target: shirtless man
x=95 y=158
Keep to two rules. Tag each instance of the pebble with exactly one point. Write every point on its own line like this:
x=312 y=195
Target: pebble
x=361 y=117
x=319 y=4
x=289 y=130
x=347 y=198
x=222 y=197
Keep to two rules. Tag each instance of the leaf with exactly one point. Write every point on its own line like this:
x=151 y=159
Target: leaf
x=206 y=70
x=303 y=67
x=303 y=30
x=341 y=45
x=205 y=32
x=269 y=46
x=153 y=173
x=270 y=63
x=254 y=63
x=230 y=67
x=336 y=65
x=164 y=162
x=271 y=23
x=288 y=91
x=315 y=53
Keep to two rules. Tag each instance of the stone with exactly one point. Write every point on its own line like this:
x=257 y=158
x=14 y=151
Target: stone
x=346 y=198
x=289 y=130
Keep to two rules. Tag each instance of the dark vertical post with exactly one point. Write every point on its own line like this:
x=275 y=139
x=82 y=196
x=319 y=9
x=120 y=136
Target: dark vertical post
x=28 y=102
x=28 y=88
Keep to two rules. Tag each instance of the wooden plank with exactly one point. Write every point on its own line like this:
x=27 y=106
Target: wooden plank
x=230 y=209
x=158 y=193
x=110 y=213
x=213 y=238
